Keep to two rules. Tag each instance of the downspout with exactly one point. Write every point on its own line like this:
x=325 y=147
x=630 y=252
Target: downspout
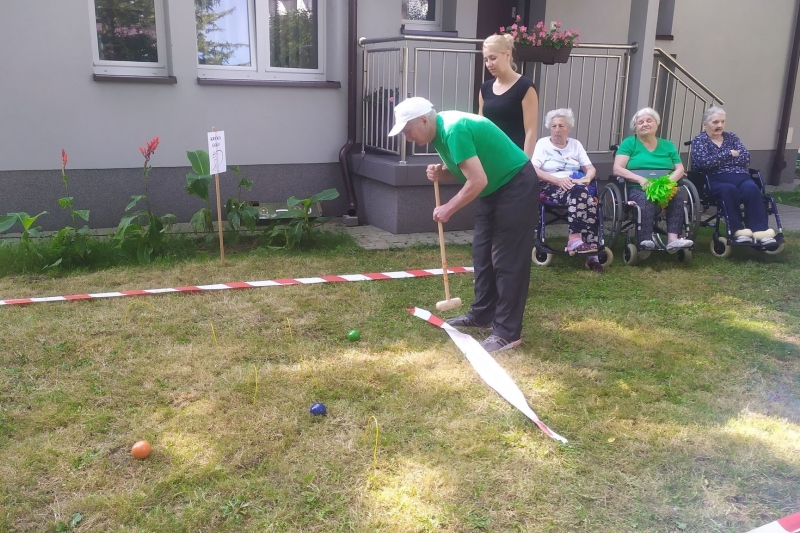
x=352 y=82
x=788 y=96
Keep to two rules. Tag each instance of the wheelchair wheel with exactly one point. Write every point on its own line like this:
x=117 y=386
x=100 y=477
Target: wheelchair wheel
x=720 y=248
x=630 y=255
x=693 y=207
x=606 y=257
x=776 y=251
x=611 y=205
x=541 y=258
x=684 y=256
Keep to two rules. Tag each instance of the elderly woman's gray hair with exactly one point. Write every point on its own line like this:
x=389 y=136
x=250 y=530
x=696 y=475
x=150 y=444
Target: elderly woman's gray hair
x=563 y=112
x=711 y=111
x=645 y=111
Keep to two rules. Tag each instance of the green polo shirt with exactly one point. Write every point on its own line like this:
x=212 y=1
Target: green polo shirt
x=460 y=136
x=665 y=156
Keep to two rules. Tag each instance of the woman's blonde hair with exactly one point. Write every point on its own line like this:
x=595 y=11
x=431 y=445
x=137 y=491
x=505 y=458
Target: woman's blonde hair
x=501 y=44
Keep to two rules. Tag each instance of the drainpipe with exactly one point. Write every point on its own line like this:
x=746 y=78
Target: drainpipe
x=352 y=81
x=788 y=96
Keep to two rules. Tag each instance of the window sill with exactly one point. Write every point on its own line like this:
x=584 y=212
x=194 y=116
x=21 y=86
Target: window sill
x=272 y=83
x=169 y=80
x=427 y=33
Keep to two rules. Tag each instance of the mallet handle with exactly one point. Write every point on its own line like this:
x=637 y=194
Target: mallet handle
x=441 y=246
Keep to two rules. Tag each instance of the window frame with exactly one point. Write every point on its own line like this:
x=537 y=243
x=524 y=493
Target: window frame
x=260 y=69
x=132 y=68
x=424 y=25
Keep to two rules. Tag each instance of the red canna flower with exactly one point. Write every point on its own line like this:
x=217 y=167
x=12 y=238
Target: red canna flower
x=150 y=150
x=64 y=158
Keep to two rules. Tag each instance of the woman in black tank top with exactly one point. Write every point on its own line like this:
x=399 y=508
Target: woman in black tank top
x=509 y=99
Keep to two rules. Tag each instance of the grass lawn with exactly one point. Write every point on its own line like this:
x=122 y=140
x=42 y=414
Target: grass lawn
x=786 y=197
x=677 y=386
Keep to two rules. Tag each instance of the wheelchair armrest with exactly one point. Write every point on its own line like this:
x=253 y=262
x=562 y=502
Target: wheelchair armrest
x=756 y=175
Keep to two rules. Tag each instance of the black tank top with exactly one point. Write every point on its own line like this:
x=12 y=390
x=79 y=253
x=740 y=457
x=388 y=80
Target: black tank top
x=505 y=110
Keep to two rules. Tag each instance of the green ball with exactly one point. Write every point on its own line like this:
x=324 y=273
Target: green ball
x=353 y=335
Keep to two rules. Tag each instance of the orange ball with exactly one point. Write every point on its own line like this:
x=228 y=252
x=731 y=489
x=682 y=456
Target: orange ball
x=141 y=449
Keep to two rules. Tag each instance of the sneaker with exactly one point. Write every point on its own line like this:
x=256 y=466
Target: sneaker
x=677 y=244
x=465 y=321
x=647 y=245
x=767 y=241
x=494 y=344
x=743 y=239
x=595 y=266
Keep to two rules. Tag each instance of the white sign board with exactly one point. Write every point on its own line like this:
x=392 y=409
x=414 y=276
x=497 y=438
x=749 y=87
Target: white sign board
x=216 y=152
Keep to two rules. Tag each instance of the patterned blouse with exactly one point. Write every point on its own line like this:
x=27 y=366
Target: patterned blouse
x=712 y=159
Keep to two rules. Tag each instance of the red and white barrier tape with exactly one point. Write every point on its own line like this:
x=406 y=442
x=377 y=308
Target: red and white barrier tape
x=374 y=276
x=787 y=524
x=487 y=368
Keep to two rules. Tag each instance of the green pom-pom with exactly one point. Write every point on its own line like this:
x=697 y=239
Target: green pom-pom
x=660 y=190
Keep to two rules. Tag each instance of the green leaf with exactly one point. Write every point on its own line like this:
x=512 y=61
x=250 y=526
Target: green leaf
x=6 y=222
x=133 y=201
x=53 y=265
x=76 y=519
x=327 y=194
x=198 y=185
x=246 y=183
x=199 y=221
x=199 y=161
x=125 y=222
x=83 y=213
x=66 y=202
x=143 y=252
x=235 y=220
x=293 y=201
x=167 y=221
x=681 y=525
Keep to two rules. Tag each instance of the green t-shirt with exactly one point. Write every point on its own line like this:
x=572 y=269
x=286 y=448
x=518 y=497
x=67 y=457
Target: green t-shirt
x=460 y=136
x=665 y=156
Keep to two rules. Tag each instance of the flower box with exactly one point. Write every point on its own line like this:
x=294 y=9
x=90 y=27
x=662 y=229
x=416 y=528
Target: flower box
x=542 y=54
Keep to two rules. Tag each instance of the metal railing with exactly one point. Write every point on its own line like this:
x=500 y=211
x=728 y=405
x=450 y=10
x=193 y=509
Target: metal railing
x=680 y=98
x=445 y=70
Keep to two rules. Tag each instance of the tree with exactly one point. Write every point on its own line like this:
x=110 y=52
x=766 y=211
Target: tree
x=126 y=30
x=209 y=51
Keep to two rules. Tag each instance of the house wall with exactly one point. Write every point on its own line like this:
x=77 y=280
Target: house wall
x=604 y=21
x=276 y=132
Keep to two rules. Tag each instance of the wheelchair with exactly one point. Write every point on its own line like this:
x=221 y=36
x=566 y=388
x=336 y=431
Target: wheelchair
x=623 y=218
x=722 y=246
x=552 y=213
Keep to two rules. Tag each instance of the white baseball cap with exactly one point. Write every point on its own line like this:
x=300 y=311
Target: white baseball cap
x=408 y=110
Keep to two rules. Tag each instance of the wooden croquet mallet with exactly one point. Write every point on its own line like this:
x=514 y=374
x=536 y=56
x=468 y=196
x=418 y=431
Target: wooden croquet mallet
x=447 y=303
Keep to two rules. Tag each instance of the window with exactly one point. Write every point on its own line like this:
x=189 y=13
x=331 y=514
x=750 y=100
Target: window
x=128 y=37
x=422 y=14
x=260 y=39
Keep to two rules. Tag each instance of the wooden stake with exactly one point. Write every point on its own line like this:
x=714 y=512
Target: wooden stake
x=219 y=217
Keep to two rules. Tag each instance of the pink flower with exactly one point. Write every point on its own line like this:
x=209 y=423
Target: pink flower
x=539 y=42
x=523 y=28
x=514 y=33
x=64 y=158
x=540 y=24
x=391 y=99
x=542 y=34
x=502 y=29
x=519 y=17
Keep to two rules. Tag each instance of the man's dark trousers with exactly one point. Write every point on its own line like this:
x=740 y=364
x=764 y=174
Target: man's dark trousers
x=501 y=253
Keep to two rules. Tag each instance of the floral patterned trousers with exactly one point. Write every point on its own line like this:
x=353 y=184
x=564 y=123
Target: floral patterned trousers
x=581 y=208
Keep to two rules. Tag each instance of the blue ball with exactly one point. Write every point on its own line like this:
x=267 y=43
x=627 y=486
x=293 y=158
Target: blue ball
x=319 y=409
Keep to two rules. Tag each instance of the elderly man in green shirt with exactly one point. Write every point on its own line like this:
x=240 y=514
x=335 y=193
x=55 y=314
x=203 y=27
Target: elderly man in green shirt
x=500 y=176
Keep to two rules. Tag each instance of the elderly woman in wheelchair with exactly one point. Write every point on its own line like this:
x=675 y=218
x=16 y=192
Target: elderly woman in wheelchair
x=723 y=162
x=566 y=174
x=639 y=158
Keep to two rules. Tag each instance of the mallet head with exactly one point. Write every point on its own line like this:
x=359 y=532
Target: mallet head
x=446 y=305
